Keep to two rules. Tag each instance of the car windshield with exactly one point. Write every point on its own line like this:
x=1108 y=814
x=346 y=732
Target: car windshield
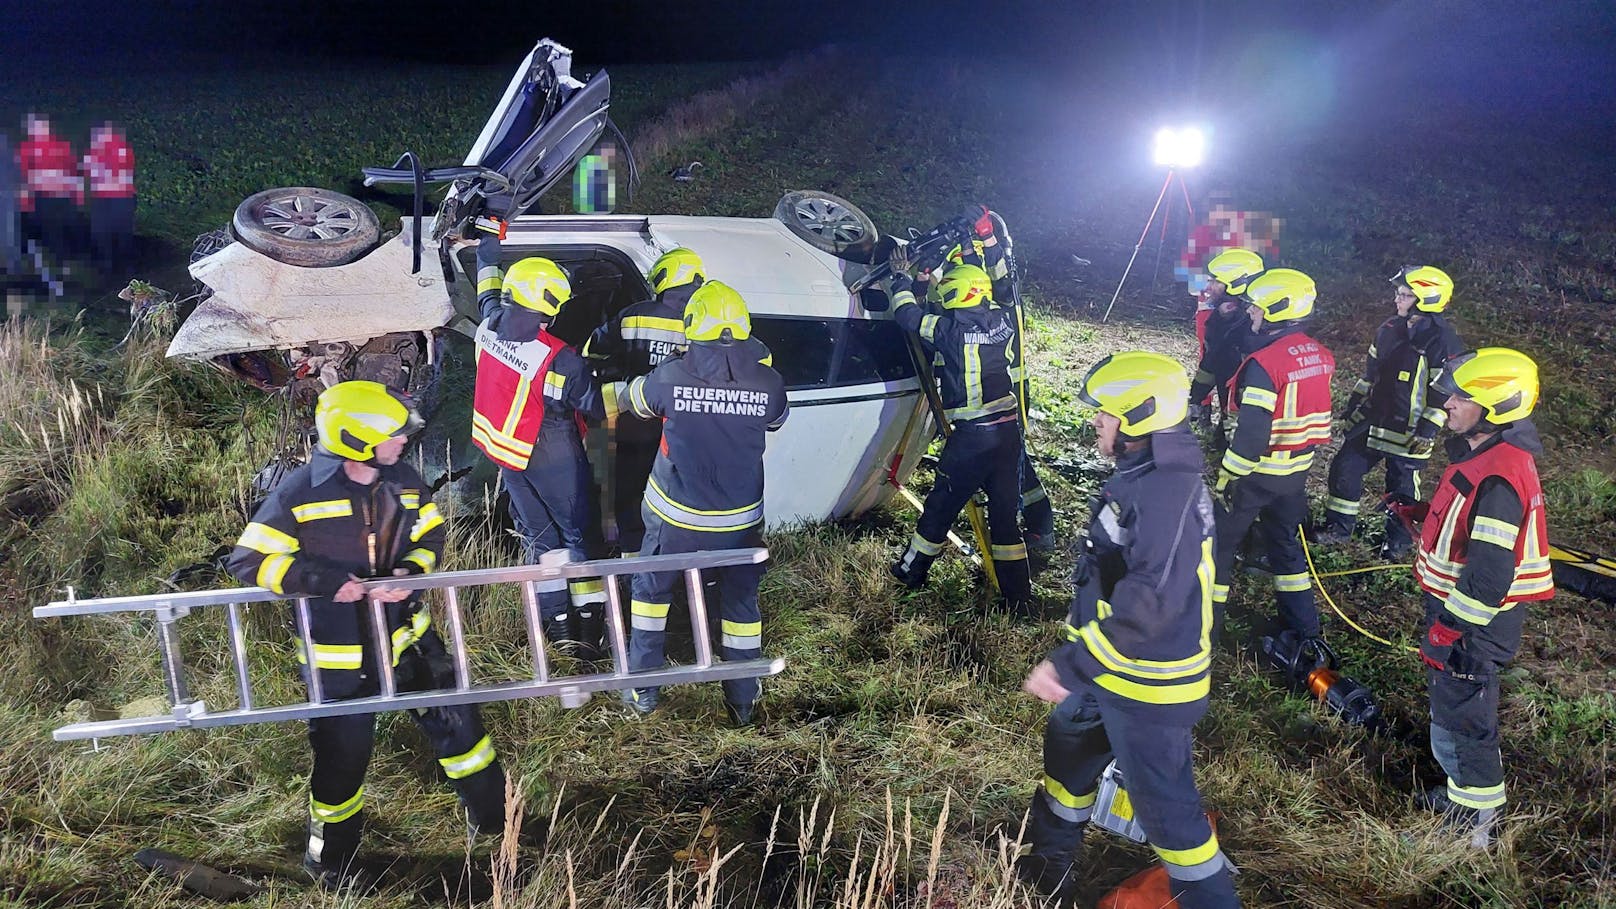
x=830 y=353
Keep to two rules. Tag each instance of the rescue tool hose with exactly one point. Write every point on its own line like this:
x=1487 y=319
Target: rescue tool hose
x=1319 y=583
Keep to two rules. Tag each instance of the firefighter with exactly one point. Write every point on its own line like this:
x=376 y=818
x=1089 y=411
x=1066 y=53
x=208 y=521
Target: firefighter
x=357 y=511
x=1221 y=327
x=985 y=449
x=533 y=395
x=1132 y=679
x=1395 y=411
x=1483 y=554
x=1280 y=399
x=986 y=252
x=109 y=170
x=641 y=338
x=717 y=404
x=51 y=188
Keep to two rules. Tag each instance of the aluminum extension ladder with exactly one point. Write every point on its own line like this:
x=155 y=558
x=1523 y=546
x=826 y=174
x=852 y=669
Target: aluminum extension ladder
x=573 y=690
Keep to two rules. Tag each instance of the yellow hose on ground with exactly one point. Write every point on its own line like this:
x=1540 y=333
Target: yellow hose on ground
x=1308 y=553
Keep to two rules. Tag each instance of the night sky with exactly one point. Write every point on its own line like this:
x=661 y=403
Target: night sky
x=1524 y=56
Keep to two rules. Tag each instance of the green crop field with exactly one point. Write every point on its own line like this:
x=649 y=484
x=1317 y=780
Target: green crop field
x=896 y=754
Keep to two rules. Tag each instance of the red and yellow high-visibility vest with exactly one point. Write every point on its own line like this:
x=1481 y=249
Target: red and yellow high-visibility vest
x=508 y=405
x=1300 y=368
x=109 y=169
x=1449 y=528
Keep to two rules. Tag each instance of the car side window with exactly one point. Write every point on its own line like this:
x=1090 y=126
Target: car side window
x=814 y=353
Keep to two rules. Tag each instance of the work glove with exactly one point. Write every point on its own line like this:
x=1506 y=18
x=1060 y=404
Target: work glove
x=1421 y=446
x=1223 y=494
x=981 y=221
x=1410 y=511
x=1436 y=649
x=899 y=264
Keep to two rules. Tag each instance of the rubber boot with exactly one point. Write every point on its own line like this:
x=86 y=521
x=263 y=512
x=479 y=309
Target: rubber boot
x=589 y=620
x=562 y=633
x=1049 y=866
x=912 y=568
x=1334 y=530
x=641 y=701
x=1475 y=823
x=739 y=714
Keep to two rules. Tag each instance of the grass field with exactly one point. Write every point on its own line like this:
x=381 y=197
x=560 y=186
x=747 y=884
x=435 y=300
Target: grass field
x=896 y=754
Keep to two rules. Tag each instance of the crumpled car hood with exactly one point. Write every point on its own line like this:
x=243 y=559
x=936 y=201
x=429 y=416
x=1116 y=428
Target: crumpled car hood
x=261 y=304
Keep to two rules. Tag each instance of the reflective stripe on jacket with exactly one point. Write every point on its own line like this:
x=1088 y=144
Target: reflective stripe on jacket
x=1453 y=524
x=1294 y=399
x=318 y=527
x=1141 y=620
x=1395 y=390
x=507 y=409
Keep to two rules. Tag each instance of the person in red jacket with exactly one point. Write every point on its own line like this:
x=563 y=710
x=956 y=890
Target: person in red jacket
x=51 y=189
x=109 y=171
x=1483 y=555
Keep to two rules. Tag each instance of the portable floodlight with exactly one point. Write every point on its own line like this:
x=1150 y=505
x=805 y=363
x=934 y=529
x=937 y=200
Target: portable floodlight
x=1178 y=148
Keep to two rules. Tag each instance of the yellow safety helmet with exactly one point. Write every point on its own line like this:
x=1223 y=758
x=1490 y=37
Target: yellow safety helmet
x=675 y=268
x=716 y=308
x=352 y=418
x=1503 y=381
x=1431 y=286
x=965 y=286
x=538 y=284
x=1283 y=294
x=1148 y=392
x=1235 y=268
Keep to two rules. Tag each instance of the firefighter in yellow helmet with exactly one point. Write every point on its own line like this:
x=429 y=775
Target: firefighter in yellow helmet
x=718 y=404
x=985 y=249
x=1280 y=398
x=533 y=395
x=639 y=339
x=1132 y=680
x=1483 y=554
x=1395 y=409
x=357 y=510
x=1222 y=328
x=984 y=450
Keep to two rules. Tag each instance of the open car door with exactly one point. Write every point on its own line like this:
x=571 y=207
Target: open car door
x=545 y=122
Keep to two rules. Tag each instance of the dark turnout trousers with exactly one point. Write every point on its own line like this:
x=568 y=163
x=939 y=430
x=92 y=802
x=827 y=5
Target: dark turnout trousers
x=740 y=621
x=1464 y=707
x=1347 y=471
x=342 y=747
x=976 y=456
x=1281 y=502
x=1083 y=734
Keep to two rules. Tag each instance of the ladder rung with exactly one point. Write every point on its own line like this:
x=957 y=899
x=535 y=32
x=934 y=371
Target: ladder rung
x=508 y=691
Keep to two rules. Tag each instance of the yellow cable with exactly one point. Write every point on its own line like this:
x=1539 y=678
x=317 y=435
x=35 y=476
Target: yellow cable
x=1342 y=574
x=1308 y=554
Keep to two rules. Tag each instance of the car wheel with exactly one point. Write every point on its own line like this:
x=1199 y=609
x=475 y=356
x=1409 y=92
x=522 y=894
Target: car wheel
x=828 y=223
x=301 y=225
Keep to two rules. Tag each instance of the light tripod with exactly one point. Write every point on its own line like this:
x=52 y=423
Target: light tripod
x=1172 y=174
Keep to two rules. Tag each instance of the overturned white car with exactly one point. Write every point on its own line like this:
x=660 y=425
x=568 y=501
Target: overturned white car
x=307 y=297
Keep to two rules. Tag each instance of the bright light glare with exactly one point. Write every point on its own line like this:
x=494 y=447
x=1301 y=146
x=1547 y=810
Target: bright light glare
x=1179 y=147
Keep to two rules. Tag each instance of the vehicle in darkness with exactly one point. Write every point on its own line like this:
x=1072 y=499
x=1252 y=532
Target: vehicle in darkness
x=309 y=294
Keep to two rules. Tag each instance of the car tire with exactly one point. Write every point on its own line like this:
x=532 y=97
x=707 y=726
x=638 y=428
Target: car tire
x=302 y=225
x=828 y=222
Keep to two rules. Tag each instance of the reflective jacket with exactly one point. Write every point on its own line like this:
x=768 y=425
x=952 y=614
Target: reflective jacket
x=1395 y=392
x=1281 y=397
x=49 y=170
x=1484 y=546
x=109 y=168
x=528 y=381
x=1141 y=621
x=976 y=344
x=642 y=337
x=318 y=527
x=717 y=403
